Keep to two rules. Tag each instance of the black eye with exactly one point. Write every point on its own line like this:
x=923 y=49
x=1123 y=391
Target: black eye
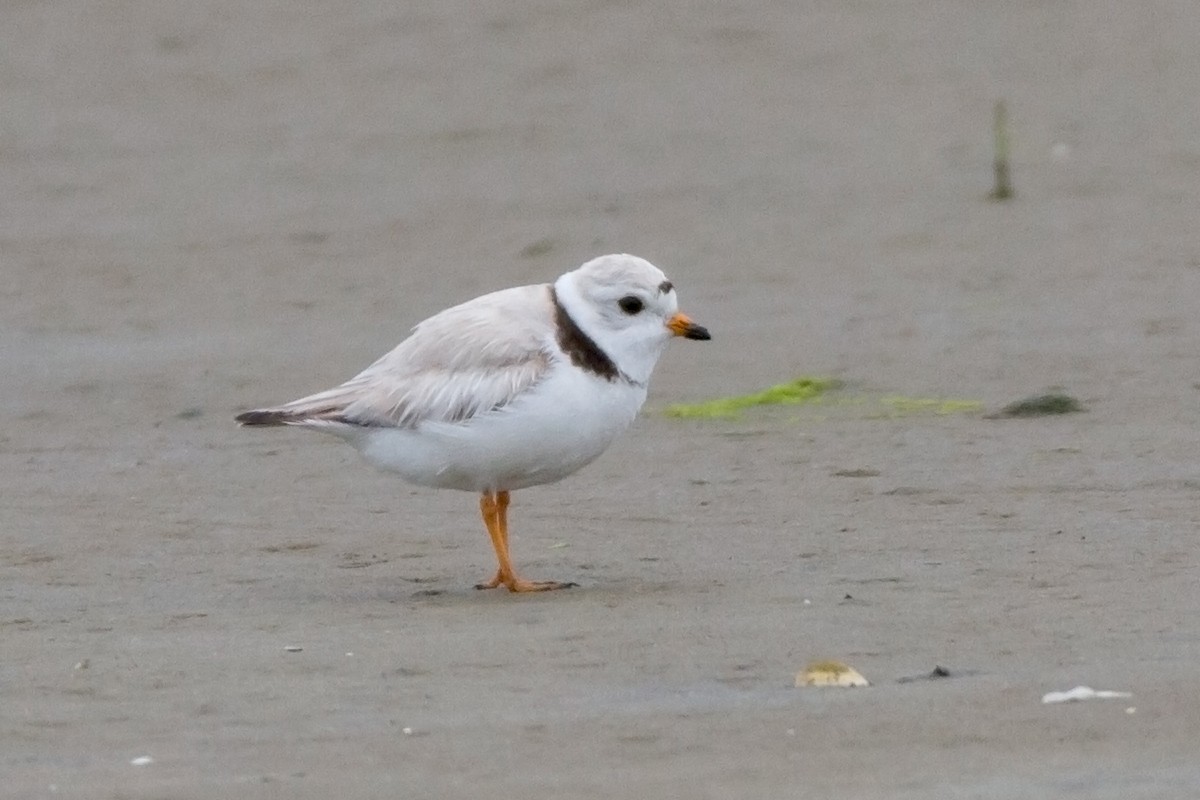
x=630 y=304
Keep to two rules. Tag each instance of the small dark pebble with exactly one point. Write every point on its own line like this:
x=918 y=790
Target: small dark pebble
x=937 y=673
x=1041 y=405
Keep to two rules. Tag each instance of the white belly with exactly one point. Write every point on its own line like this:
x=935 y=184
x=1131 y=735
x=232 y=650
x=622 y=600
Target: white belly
x=546 y=434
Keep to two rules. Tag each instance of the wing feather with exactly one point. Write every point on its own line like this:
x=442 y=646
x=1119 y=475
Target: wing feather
x=465 y=361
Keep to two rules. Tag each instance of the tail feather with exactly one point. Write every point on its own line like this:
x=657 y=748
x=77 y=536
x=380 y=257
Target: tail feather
x=266 y=417
x=285 y=415
x=315 y=410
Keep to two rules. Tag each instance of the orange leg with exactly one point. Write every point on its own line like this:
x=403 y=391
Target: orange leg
x=494 y=508
x=488 y=507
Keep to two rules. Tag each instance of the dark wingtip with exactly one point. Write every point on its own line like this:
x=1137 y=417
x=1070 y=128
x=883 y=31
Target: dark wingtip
x=261 y=417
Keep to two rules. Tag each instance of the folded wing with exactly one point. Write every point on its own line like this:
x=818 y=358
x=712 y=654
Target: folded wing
x=467 y=360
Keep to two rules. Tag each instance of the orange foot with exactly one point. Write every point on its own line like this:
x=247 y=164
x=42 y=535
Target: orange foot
x=514 y=584
x=494 y=508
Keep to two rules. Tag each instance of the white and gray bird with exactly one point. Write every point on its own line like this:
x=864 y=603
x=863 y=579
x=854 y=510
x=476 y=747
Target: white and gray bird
x=516 y=388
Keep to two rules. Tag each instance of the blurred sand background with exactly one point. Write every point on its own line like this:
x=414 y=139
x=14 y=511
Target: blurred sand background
x=212 y=205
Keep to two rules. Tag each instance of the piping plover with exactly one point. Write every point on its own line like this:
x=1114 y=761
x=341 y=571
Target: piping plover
x=516 y=388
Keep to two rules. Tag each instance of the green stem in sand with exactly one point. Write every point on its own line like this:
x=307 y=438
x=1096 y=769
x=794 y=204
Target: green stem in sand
x=1003 y=189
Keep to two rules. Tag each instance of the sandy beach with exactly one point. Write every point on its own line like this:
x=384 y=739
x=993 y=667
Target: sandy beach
x=213 y=206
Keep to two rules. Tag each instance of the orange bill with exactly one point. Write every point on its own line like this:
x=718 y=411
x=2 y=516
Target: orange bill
x=681 y=325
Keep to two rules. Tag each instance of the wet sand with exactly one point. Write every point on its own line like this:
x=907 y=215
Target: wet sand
x=209 y=207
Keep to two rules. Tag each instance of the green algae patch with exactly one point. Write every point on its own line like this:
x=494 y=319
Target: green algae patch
x=904 y=406
x=797 y=392
x=816 y=391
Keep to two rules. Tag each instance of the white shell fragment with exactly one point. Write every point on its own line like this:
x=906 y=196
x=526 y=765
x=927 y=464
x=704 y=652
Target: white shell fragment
x=830 y=673
x=292 y=648
x=1082 y=693
x=141 y=761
